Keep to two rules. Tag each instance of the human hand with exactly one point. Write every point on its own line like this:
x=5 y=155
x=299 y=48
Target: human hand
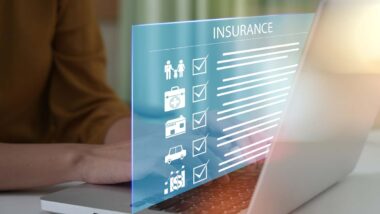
x=106 y=164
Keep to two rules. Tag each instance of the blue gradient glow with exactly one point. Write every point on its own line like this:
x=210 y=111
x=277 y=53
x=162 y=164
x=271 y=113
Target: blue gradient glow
x=223 y=111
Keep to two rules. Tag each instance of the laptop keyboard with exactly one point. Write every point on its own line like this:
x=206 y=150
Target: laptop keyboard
x=217 y=197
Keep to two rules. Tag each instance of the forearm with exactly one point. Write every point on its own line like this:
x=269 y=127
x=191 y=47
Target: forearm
x=26 y=166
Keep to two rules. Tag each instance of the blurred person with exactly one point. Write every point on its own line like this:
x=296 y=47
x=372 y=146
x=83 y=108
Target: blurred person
x=60 y=122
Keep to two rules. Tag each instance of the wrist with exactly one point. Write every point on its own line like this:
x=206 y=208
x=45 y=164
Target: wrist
x=77 y=157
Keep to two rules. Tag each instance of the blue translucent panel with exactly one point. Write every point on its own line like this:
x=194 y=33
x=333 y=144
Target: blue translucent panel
x=208 y=97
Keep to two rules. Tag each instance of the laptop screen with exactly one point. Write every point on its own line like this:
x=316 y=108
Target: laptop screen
x=207 y=98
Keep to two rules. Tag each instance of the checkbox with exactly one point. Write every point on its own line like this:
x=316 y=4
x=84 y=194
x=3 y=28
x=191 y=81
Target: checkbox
x=200 y=66
x=200 y=173
x=200 y=120
x=200 y=93
x=200 y=146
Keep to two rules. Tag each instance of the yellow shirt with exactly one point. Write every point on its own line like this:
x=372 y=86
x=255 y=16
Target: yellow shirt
x=52 y=74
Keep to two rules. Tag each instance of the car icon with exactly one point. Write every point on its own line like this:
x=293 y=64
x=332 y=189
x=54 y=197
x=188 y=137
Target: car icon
x=175 y=153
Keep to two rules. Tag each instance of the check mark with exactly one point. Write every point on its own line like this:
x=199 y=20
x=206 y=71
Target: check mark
x=200 y=173
x=200 y=146
x=200 y=93
x=200 y=119
x=200 y=66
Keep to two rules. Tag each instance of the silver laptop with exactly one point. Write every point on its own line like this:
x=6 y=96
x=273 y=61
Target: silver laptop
x=332 y=108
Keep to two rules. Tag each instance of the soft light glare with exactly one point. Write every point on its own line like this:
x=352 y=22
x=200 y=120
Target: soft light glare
x=367 y=31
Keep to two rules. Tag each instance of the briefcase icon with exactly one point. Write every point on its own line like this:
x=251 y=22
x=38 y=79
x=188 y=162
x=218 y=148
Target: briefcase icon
x=175 y=99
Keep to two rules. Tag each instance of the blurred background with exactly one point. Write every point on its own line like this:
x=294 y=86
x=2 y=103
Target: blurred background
x=117 y=16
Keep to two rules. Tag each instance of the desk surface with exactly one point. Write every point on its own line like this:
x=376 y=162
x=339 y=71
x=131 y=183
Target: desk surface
x=358 y=193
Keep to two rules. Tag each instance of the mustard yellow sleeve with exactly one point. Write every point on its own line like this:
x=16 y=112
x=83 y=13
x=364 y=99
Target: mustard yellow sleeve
x=82 y=106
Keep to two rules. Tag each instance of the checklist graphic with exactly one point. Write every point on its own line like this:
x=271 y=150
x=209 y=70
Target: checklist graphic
x=208 y=106
x=200 y=173
x=200 y=66
x=200 y=120
x=200 y=146
x=200 y=93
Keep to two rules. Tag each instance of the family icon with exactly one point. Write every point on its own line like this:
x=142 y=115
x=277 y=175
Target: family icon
x=175 y=73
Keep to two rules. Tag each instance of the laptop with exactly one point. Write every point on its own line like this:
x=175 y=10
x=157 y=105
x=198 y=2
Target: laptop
x=333 y=105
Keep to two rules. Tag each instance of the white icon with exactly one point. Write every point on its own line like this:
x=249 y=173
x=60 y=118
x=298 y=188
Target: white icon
x=175 y=153
x=200 y=66
x=175 y=99
x=200 y=173
x=200 y=146
x=176 y=181
x=181 y=69
x=200 y=120
x=170 y=72
x=200 y=93
x=175 y=127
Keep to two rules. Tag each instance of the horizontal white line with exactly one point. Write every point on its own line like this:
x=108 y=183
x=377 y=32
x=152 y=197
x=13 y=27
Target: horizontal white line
x=259 y=73
x=255 y=80
x=252 y=104
x=252 y=87
x=243 y=155
x=228 y=42
x=249 y=146
x=261 y=49
x=248 y=129
x=257 y=56
x=251 y=63
x=255 y=96
x=251 y=110
x=247 y=135
x=251 y=121
x=243 y=161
